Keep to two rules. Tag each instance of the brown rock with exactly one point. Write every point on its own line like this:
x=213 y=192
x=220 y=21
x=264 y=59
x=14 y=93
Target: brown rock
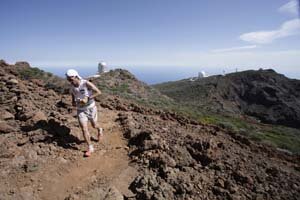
x=6 y=128
x=38 y=82
x=218 y=191
x=220 y=183
x=169 y=161
x=241 y=177
x=13 y=81
x=37 y=135
x=5 y=115
x=39 y=116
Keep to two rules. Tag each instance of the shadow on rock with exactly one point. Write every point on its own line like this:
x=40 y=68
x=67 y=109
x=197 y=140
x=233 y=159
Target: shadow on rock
x=51 y=132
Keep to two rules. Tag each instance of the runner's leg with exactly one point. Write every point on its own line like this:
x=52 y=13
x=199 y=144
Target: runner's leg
x=83 y=121
x=95 y=124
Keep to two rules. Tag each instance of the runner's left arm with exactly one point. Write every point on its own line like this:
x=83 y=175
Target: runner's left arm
x=96 y=91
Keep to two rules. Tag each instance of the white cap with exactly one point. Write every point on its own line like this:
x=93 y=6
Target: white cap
x=72 y=72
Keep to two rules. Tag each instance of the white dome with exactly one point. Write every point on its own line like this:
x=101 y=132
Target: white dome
x=102 y=64
x=102 y=67
x=202 y=74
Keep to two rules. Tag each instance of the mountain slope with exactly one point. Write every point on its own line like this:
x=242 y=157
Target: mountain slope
x=264 y=94
x=147 y=153
x=124 y=84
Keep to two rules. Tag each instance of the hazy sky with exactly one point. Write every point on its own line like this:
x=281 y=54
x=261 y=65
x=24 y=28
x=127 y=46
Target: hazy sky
x=189 y=34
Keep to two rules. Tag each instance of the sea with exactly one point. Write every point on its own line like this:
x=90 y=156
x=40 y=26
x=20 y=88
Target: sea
x=159 y=74
x=147 y=74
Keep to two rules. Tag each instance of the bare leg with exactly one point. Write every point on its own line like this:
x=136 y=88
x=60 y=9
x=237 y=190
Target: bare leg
x=95 y=124
x=99 y=129
x=85 y=131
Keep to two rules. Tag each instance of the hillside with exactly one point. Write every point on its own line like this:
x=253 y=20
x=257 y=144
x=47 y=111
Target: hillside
x=263 y=94
x=122 y=83
x=147 y=153
x=243 y=103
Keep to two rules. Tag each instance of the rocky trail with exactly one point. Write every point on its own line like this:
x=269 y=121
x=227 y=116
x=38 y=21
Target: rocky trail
x=106 y=174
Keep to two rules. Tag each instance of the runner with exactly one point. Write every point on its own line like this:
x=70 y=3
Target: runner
x=83 y=94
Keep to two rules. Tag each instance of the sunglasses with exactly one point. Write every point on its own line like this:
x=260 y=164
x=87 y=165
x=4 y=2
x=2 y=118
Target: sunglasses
x=70 y=78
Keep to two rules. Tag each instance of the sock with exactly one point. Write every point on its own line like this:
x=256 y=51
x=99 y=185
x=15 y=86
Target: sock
x=91 y=148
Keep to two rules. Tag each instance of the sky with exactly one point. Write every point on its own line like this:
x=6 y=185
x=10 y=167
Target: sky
x=153 y=37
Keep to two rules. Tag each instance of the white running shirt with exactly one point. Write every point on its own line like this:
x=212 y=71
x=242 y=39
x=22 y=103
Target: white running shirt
x=80 y=93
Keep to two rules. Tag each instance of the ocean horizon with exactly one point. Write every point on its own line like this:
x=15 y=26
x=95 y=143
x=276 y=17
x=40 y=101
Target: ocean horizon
x=155 y=75
x=149 y=76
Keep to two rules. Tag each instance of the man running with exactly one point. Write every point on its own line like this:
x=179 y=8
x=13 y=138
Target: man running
x=83 y=94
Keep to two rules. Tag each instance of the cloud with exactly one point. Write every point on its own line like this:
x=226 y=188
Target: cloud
x=288 y=28
x=234 y=49
x=290 y=8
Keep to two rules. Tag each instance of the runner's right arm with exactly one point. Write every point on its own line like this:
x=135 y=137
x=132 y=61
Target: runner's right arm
x=73 y=98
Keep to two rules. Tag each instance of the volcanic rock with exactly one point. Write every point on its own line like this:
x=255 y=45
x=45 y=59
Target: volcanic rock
x=6 y=128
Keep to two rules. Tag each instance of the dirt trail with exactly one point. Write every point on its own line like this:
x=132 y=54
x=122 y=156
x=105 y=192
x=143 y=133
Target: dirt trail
x=81 y=177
